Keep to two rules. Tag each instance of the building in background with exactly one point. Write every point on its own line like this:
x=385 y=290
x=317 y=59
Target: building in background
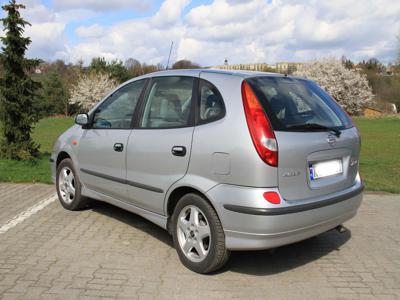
x=280 y=67
x=247 y=67
x=287 y=67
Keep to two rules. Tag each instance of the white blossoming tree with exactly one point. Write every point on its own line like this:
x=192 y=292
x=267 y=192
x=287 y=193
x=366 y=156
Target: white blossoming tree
x=348 y=87
x=90 y=89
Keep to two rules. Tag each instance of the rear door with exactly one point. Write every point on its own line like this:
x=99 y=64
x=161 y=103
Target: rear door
x=313 y=160
x=160 y=145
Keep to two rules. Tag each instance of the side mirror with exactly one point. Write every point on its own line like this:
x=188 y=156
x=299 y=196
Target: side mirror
x=82 y=119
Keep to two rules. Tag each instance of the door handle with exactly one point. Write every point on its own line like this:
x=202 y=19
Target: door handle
x=118 y=147
x=179 y=151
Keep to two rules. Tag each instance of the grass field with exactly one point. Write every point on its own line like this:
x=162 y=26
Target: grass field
x=380 y=155
x=45 y=133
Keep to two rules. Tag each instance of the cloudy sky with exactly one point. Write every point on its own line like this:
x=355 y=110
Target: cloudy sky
x=208 y=31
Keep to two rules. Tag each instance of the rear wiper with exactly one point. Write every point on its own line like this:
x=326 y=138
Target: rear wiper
x=315 y=126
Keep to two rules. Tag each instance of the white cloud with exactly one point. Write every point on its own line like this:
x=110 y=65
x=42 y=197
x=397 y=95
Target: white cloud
x=47 y=31
x=146 y=39
x=102 y=5
x=290 y=29
x=169 y=13
x=47 y=39
x=92 y=31
x=240 y=30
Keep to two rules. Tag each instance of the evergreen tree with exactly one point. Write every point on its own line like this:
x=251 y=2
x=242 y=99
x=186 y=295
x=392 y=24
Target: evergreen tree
x=347 y=63
x=17 y=89
x=115 y=69
x=98 y=65
x=185 y=64
x=55 y=96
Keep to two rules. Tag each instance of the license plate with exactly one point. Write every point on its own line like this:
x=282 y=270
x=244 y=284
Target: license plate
x=325 y=169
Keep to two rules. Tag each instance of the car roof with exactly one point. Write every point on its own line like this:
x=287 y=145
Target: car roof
x=197 y=72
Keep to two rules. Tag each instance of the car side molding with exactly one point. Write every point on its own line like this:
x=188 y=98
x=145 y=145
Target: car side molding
x=123 y=181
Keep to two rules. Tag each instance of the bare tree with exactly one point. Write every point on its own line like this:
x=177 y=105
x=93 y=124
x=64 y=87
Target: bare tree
x=398 y=50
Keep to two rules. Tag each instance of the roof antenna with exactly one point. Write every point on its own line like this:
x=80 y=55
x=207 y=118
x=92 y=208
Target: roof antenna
x=169 y=56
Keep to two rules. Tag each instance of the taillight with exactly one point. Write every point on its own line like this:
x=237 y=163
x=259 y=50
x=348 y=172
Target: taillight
x=260 y=129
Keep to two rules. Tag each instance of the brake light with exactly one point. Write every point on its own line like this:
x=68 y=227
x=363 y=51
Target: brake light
x=260 y=129
x=272 y=197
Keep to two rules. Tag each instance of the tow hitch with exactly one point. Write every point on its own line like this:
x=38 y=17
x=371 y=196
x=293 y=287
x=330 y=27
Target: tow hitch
x=341 y=229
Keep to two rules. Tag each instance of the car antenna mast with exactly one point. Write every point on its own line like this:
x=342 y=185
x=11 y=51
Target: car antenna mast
x=169 y=56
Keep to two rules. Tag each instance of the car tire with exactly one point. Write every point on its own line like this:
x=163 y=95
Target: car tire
x=192 y=220
x=69 y=186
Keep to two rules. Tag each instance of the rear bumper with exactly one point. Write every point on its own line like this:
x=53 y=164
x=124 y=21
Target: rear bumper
x=251 y=223
x=295 y=208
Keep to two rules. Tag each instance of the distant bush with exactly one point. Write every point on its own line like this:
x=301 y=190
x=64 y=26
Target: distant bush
x=90 y=89
x=185 y=64
x=348 y=87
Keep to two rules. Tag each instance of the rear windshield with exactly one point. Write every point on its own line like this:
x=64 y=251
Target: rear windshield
x=291 y=103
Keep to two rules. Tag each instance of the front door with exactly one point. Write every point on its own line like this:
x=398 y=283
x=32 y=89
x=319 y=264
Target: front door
x=102 y=150
x=159 y=146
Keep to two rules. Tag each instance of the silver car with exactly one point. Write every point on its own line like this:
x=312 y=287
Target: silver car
x=222 y=160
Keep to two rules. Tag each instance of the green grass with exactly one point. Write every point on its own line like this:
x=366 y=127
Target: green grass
x=380 y=155
x=45 y=133
x=48 y=130
x=17 y=171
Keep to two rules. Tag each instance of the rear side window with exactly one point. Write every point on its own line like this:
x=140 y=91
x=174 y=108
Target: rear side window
x=211 y=104
x=291 y=103
x=168 y=103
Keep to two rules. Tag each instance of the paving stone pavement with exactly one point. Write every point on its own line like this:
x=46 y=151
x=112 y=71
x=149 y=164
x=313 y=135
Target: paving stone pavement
x=105 y=252
x=15 y=198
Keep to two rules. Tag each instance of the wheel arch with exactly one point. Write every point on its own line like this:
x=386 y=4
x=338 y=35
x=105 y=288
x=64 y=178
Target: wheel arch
x=177 y=194
x=61 y=156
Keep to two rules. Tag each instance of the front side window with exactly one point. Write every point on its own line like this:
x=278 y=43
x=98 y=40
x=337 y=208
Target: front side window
x=292 y=104
x=168 y=103
x=117 y=110
x=211 y=103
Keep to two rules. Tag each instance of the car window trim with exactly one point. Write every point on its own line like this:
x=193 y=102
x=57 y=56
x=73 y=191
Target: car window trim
x=92 y=115
x=143 y=102
x=277 y=124
x=198 y=120
x=136 y=114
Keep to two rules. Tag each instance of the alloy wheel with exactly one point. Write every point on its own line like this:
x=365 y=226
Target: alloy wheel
x=66 y=185
x=194 y=234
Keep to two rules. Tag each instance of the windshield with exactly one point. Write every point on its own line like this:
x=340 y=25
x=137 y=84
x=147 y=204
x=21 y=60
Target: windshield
x=293 y=104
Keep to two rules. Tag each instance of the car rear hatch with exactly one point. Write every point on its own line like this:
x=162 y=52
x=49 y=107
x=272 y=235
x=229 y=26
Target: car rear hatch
x=318 y=146
x=316 y=163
